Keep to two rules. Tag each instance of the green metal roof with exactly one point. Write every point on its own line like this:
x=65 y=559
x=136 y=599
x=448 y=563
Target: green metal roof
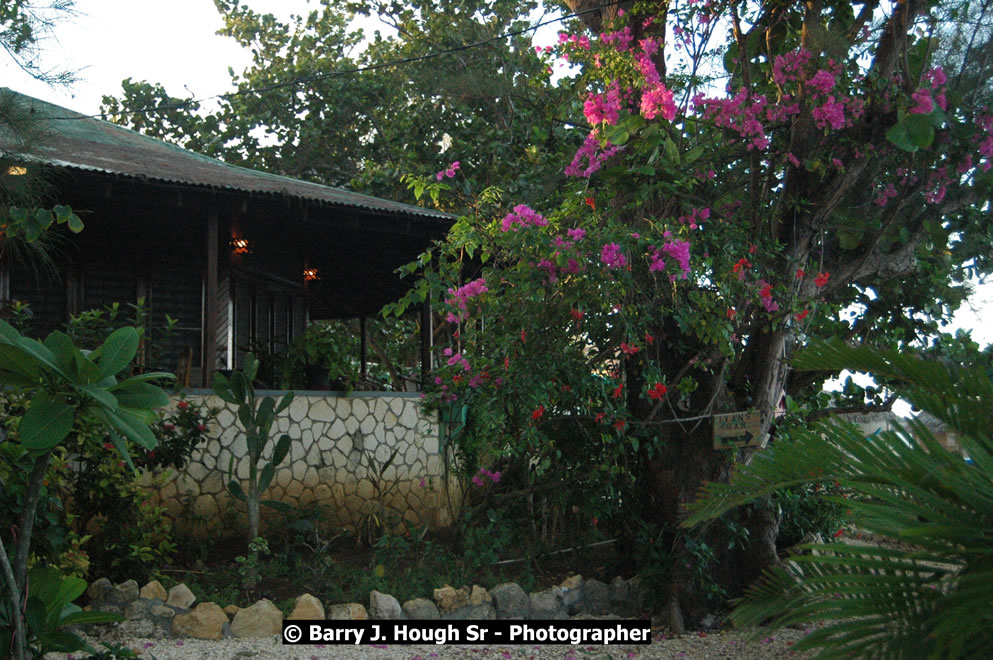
x=69 y=139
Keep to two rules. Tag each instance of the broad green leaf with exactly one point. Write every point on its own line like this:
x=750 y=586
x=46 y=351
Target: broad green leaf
x=15 y=360
x=265 y=478
x=75 y=224
x=163 y=376
x=285 y=402
x=142 y=395
x=91 y=617
x=235 y=489
x=40 y=353
x=132 y=426
x=251 y=367
x=46 y=423
x=617 y=135
x=919 y=130
x=900 y=138
x=100 y=395
x=671 y=151
x=282 y=507
x=121 y=446
x=693 y=154
x=282 y=448
x=63 y=352
x=117 y=351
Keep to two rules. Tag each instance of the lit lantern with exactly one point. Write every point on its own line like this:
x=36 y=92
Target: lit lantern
x=239 y=245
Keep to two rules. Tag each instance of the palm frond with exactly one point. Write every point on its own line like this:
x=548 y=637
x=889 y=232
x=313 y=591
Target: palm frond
x=927 y=598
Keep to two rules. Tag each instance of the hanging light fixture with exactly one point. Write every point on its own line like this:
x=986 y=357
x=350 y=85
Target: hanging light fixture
x=239 y=245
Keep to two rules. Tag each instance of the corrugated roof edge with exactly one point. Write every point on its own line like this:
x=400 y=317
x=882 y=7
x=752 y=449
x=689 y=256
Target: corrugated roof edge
x=292 y=187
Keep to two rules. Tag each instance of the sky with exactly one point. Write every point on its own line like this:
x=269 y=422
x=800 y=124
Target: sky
x=175 y=43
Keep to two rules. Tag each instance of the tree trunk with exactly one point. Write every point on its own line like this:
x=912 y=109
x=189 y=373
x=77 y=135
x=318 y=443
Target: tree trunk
x=687 y=461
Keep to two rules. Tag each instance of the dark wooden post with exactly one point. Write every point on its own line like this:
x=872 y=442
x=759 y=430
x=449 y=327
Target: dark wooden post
x=363 y=349
x=210 y=316
x=427 y=333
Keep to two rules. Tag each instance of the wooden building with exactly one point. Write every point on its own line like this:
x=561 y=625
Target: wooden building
x=243 y=259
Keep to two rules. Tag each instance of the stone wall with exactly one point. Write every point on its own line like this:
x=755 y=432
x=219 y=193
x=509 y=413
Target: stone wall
x=325 y=464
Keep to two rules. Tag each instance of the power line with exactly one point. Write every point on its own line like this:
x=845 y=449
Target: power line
x=299 y=80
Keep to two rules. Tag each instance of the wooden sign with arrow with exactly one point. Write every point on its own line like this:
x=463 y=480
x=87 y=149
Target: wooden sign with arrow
x=738 y=429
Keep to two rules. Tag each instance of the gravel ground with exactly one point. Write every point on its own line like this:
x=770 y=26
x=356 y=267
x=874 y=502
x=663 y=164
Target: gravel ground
x=717 y=644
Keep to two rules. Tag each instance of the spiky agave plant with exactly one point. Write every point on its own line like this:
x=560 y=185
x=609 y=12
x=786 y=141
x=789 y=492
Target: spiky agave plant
x=931 y=595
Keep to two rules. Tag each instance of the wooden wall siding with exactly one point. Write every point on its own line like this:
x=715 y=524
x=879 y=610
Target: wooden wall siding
x=178 y=292
x=46 y=293
x=168 y=288
x=104 y=283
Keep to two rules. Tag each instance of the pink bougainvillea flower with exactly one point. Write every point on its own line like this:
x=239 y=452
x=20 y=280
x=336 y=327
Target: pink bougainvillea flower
x=612 y=256
x=923 y=103
x=658 y=101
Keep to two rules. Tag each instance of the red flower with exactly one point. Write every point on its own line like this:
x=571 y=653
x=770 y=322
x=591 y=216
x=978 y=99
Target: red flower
x=730 y=313
x=566 y=388
x=648 y=338
x=506 y=362
x=800 y=273
x=537 y=413
x=594 y=520
x=802 y=315
x=743 y=264
x=201 y=427
x=524 y=336
x=576 y=314
x=752 y=248
x=617 y=391
x=658 y=391
x=619 y=424
x=839 y=533
x=821 y=279
x=183 y=405
x=107 y=445
x=629 y=349
x=590 y=202
x=168 y=427
x=598 y=418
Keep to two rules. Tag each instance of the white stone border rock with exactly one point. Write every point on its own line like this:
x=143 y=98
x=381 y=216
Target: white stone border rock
x=153 y=613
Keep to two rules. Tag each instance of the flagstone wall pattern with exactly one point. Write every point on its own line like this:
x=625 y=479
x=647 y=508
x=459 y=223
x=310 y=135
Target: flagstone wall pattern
x=325 y=464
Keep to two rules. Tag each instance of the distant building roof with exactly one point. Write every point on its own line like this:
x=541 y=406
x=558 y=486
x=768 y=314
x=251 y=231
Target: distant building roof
x=64 y=138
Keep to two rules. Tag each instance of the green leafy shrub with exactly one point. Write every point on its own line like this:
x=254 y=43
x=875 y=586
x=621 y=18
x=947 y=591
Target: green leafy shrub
x=179 y=433
x=810 y=509
x=49 y=609
x=323 y=357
